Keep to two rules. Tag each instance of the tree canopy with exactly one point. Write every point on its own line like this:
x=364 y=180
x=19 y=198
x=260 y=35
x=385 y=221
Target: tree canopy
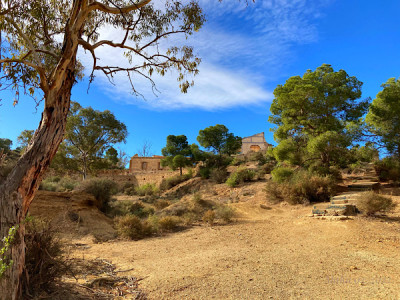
x=383 y=117
x=89 y=137
x=176 y=152
x=219 y=140
x=312 y=113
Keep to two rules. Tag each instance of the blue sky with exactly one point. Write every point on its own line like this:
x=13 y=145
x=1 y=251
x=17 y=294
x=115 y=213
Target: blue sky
x=246 y=52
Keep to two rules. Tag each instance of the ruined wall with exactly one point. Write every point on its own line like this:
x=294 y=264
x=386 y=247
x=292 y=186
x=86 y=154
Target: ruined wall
x=145 y=164
x=254 y=143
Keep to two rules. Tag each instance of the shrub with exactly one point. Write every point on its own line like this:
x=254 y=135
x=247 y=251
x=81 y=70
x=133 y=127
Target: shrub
x=67 y=184
x=102 y=190
x=147 y=189
x=48 y=186
x=132 y=227
x=302 y=187
x=268 y=167
x=170 y=182
x=388 y=169
x=281 y=174
x=239 y=176
x=139 y=210
x=161 y=204
x=219 y=175
x=197 y=198
x=225 y=213
x=43 y=262
x=238 y=160
x=128 y=189
x=370 y=203
x=169 y=223
x=205 y=172
x=209 y=217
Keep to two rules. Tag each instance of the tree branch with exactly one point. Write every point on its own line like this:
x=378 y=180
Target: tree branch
x=116 y=10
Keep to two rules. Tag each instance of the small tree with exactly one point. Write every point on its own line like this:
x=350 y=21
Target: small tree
x=24 y=138
x=219 y=140
x=176 y=152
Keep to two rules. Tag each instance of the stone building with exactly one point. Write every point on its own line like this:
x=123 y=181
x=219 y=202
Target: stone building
x=254 y=143
x=143 y=164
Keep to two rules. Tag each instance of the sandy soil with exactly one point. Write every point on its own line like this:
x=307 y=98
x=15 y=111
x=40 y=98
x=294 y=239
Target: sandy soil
x=276 y=253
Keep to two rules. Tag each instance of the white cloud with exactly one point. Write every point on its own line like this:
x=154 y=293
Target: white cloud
x=241 y=48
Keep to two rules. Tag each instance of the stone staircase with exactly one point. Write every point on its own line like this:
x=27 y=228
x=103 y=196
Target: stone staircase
x=344 y=204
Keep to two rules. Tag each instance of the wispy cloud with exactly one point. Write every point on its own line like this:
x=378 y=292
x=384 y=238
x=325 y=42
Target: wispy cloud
x=242 y=48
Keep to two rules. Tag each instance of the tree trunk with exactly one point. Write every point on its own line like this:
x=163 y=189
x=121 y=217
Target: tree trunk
x=20 y=186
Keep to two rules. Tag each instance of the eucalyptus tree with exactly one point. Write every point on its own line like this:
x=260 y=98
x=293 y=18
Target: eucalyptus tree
x=39 y=59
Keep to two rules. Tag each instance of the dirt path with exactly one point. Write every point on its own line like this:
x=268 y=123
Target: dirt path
x=267 y=254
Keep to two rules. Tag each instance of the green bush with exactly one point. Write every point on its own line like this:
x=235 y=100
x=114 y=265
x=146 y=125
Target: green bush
x=170 y=182
x=67 y=184
x=129 y=189
x=102 y=190
x=225 y=213
x=139 y=210
x=239 y=176
x=48 y=186
x=132 y=227
x=205 y=172
x=147 y=189
x=302 y=187
x=218 y=175
x=388 y=169
x=238 y=160
x=281 y=174
x=371 y=203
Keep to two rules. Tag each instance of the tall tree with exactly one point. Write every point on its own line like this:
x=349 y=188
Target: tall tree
x=90 y=134
x=24 y=138
x=40 y=60
x=311 y=113
x=176 y=152
x=383 y=117
x=219 y=140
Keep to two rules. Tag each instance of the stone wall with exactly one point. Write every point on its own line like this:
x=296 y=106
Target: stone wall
x=145 y=164
x=254 y=143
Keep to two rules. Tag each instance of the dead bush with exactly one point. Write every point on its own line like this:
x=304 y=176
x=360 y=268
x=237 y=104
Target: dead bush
x=169 y=223
x=225 y=213
x=161 y=204
x=170 y=182
x=219 y=175
x=132 y=227
x=43 y=262
x=138 y=209
x=371 y=203
x=209 y=217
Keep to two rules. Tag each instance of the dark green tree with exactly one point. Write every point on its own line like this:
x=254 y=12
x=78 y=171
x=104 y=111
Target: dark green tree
x=177 y=152
x=89 y=137
x=312 y=113
x=383 y=117
x=219 y=140
x=5 y=145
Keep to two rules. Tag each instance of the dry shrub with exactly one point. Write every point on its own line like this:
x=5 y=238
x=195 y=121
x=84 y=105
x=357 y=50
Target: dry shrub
x=102 y=190
x=43 y=262
x=161 y=204
x=225 y=213
x=371 y=203
x=209 y=217
x=132 y=227
x=302 y=187
x=138 y=209
x=169 y=223
x=218 y=175
x=170 y=182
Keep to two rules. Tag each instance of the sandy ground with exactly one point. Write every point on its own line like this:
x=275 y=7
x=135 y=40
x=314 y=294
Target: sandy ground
x=278 y=253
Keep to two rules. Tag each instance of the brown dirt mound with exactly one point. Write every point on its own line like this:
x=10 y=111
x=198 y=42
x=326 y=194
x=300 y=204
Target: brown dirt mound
x=73 y=215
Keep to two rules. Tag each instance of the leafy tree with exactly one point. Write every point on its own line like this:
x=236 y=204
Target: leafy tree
x=312 y=113
x=176 y=152
x=5 y=145
x=24 y=138
x=219 y=140
x=89 y=136
x=39 y=60
x=383 y=116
